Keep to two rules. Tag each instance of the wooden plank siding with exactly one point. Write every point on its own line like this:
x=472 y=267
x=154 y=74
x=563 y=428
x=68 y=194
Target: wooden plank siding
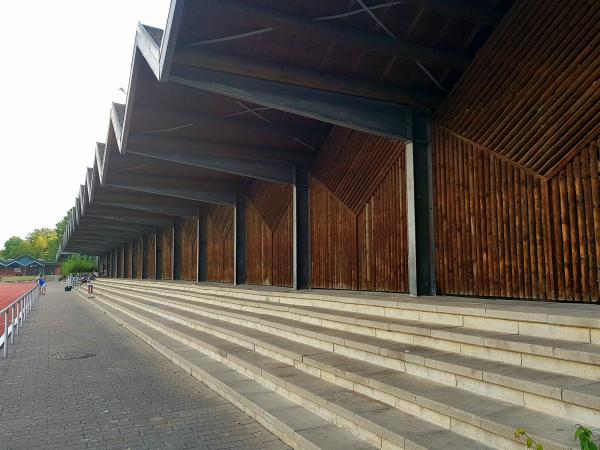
x=269 y=217
x=220 y=243
x=120 y=262
x=358 y=213
x=531 y=94
x=186 y=234
x=128 y=260
x=501 y=231
x=515 y=147
x=149 y=250
x=164 y=238
x=137 y=258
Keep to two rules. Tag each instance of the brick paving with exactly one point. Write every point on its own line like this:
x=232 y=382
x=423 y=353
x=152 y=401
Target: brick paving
x=127 y=396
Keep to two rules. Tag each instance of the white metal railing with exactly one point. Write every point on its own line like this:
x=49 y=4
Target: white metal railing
x=18 y=309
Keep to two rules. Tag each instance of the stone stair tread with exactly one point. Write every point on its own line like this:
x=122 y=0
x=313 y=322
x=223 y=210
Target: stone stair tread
x=311 y=428
x=417 y=433
x=394 y=422
x=502 y=340
x=587 y=395
x=577 y=351
x=536 y=381
x=531 y=311
x=469 y=407
x=544 y=383
x=341 y=316
x=517 y=342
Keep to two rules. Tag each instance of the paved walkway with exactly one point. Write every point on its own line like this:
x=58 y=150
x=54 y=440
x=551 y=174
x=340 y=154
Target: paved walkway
x=126 y=396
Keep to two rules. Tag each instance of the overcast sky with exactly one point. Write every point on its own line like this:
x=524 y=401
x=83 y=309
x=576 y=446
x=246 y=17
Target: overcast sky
x=62 y=63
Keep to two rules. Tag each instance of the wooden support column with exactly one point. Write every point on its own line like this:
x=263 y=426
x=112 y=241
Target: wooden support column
x=203 y=245
x=419 y=192
x=301 y=230
x=239 y=239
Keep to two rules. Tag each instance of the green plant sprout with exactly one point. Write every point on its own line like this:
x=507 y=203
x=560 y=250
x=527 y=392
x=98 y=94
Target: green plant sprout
x=530 y=442
x=583 y=434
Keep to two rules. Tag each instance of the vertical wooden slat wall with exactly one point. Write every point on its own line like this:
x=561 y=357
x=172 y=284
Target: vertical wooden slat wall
x=269 y=229
x=137 y=255
x=358 y=213
x=165 y=238
x=515 y=160
x=120 y=262
x=186 y=233
x=502 y=231
x=149 y=250
x=220 y=244
x=128 y=260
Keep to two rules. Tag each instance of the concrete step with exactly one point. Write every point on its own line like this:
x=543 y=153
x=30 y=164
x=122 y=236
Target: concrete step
x=567 y=396
x=277 y=383
x=579 y=323
x=294 y=424
x=471 y=415
x=559 y=355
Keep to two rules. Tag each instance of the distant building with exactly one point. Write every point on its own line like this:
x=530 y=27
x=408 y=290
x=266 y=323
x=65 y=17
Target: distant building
x=27 y=265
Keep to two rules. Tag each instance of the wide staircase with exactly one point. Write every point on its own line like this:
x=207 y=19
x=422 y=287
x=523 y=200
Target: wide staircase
x=355 y=371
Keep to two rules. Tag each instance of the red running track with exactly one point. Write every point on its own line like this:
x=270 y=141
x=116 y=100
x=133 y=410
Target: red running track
x=10 y=292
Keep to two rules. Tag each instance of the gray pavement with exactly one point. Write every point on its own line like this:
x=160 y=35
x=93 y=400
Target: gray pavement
x=126 y=396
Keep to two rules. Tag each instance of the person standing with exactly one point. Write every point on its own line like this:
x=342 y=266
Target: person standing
x=42 y=283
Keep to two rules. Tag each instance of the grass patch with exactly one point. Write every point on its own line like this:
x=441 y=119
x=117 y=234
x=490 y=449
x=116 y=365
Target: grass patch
x=16 y=279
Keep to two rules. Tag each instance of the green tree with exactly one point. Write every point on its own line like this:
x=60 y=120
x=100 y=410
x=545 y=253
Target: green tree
x=61 y=225
x=41 y=242
x=15 y=247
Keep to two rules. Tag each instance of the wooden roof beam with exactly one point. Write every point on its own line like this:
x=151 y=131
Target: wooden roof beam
x=263 y=169
x=117 y=226
x=278 y=131
x=181 y=189
x=124 y=177
x=372 y=116
x=165 y=208
x=461 y=9
x=130 y=216
x=218 y=149
x=331 y=32
x=304 y=77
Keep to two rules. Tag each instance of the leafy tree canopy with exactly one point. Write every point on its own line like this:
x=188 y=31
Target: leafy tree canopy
x=41 y=243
